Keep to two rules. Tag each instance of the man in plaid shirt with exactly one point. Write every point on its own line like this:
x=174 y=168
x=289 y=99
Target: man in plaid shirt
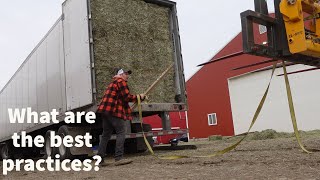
x=115 y=110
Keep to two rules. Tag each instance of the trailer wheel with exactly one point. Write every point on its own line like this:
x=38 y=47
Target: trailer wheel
x=174 y=144
x=48 y=150
x=5 y=151
x=64 y=151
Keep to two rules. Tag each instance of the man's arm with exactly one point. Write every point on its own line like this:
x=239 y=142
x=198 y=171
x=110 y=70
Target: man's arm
x=124 y=90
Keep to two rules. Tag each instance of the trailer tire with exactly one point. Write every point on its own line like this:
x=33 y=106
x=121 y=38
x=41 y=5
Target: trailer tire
x=48 y=150
x=174 y=144
x=6 y=151
x=64 y=151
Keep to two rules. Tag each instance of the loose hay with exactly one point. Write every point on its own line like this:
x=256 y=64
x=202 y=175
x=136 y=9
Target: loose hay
x=134 y=35
x=215 y=138
x=272 y=134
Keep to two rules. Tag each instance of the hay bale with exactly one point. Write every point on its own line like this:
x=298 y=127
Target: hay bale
x=215 y=138
x=269 y=134
x=263 y=135
x=134 y=35
x=313 y=133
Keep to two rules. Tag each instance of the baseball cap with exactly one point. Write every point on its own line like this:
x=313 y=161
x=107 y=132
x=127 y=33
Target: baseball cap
x=121 y=71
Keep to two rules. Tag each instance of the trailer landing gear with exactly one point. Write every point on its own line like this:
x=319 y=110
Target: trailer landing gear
x=5 y=150
x=48 y=150
x=63 y=150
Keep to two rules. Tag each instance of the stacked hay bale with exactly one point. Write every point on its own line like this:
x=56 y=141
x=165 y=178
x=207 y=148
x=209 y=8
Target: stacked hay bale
x=134 y=35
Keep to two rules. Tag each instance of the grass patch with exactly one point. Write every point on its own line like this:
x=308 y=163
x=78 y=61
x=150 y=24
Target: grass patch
x=215 y=138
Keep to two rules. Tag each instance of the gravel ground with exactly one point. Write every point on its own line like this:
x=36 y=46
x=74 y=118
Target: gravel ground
x=279 y=158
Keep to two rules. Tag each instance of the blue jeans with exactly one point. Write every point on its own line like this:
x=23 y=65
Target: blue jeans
x=110 y=123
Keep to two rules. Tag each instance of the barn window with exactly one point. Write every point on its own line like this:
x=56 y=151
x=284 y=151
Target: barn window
x=262 y=29
x=212 y=119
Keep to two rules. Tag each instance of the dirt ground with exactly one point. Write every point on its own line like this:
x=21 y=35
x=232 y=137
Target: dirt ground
x=279 y=158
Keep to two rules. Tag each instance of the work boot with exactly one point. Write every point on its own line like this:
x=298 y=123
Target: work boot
x=122 y=162
x=103 y=163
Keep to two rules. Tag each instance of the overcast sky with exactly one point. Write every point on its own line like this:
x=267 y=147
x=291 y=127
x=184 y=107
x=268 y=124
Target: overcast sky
x=206 y=26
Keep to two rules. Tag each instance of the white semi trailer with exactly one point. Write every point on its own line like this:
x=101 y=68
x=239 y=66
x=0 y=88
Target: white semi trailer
x=62 y=73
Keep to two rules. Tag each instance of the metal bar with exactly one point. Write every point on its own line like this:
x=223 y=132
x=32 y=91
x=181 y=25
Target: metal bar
x=303 y=59
x=256 y=64
x=180 y=73
x=280 y=32
x=271 y=37
x=91 y=47
x=247 y=33
x=261 y=6
x=165 y=118
x=259 y=18
x=155 y=108
x=223 y=57
x=165 y=3
x=305 y=70
x=177 y=50
x=159 y=133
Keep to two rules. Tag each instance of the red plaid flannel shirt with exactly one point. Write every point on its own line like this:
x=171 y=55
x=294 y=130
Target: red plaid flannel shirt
x=116 y=100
